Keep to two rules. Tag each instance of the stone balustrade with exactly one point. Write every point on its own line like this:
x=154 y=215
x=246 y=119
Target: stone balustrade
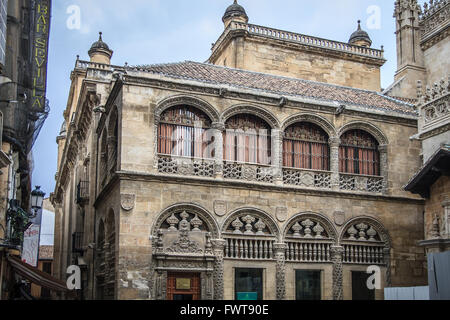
x=301 y=39
x=247 y=172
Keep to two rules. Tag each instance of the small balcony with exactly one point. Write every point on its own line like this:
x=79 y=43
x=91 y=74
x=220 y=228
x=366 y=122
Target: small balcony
x=82 y=192
x=77 y=242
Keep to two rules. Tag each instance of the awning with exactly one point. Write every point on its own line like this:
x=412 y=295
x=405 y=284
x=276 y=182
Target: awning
x=36 y=276
x=438 y=165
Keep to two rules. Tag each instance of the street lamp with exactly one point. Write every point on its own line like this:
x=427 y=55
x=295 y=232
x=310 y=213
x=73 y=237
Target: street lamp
x=37 y=198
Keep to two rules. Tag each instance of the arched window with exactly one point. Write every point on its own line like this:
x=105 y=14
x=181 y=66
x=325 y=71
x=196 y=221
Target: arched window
x=183 y=131
x=359 y=153
x=305 y=146
x=247 y=138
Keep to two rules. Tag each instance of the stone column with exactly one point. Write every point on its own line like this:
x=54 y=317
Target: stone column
x=218 y=247
x=277 y=156
x=155 y=144
x=387 y=261
x=280 y=249
x=161 y=285
x=446 y=219
x=334 y=162
x=218 y=128
x=384 y=166
x=336 y=258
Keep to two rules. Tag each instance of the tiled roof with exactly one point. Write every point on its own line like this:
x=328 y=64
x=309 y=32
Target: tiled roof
x=209 y=73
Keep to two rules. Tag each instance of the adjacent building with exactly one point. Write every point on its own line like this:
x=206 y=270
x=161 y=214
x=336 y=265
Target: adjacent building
x=432 y=181
x=273 y=171
x=24 y=32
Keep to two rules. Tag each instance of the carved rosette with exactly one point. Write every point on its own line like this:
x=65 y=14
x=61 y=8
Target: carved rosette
x=336 y=258
x=279 y=250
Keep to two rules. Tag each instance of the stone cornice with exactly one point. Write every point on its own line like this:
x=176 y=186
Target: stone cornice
x=308 y=104
x=147 y=177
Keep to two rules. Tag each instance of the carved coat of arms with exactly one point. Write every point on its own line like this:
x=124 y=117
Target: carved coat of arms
x=127 y=201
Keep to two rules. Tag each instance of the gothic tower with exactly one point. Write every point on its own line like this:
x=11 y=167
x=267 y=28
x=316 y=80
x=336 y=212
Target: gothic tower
x=410 y=58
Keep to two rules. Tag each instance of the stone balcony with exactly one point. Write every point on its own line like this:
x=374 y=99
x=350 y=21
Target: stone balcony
x=267 y=174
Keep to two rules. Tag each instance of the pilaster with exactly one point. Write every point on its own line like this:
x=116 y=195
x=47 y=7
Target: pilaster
x=334 y=143
x=336 y=258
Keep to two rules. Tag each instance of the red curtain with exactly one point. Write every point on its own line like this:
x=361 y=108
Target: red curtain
x=305 y=155
x=359 y=161
x=181 y=140
x=246 y=146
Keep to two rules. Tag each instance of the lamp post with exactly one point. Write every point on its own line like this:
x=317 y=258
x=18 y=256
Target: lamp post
x=37 y=198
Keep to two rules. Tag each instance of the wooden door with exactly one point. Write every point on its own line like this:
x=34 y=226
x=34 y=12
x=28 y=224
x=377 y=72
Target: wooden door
x=183 y=286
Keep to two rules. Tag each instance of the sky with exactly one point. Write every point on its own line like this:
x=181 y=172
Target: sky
x=162 y=31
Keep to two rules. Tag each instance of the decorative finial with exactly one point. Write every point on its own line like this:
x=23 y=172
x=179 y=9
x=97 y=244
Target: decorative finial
x=359 y=24
x=235 y=2
x=100 y=36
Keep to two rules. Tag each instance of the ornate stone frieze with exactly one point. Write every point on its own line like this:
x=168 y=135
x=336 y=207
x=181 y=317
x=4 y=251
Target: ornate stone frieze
x=434 y=17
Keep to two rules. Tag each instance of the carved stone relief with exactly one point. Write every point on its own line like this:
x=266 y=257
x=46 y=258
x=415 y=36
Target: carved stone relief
x=127 y=201
x=220 y=208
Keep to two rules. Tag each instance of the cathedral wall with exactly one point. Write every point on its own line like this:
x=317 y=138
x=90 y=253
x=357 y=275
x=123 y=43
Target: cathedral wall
x=437 y=62
x=440 y=193
x=430 y=145
x=403 y=220
x=285 y=61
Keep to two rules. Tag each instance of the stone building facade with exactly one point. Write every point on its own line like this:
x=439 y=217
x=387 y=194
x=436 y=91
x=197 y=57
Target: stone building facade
x=232 y=179
x=432 y=181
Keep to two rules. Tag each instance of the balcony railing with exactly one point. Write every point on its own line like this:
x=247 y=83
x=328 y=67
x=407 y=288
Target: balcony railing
x=82 y=191
x=248 y=172
x=249 y=249
x=364 y=254
x=77 y=242
x=303 y=251
x=307 y=178
x=185 y=166
x=350 y=182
